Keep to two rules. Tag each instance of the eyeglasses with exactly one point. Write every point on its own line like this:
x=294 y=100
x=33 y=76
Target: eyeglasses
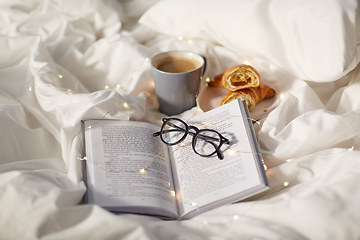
x=205 y=142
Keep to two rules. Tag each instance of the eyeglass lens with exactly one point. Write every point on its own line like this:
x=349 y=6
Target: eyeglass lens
x=206 y=142
x=173 y=131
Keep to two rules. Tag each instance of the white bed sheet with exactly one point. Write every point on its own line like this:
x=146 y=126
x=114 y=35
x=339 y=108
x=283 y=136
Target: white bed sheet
x=64 y=61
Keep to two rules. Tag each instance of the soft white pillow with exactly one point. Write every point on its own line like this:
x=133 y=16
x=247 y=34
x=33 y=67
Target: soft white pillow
x=316 y=40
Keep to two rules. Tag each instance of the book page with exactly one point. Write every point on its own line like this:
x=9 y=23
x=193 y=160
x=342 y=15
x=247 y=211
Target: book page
x=204 y=180
x=127 y=168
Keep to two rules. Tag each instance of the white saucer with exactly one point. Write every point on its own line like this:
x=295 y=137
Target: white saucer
x=210 y=98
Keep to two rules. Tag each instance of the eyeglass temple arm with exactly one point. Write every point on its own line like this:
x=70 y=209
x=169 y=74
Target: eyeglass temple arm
x=219 y=154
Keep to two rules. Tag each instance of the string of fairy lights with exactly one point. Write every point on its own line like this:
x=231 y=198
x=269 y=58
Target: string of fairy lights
x=126 y=105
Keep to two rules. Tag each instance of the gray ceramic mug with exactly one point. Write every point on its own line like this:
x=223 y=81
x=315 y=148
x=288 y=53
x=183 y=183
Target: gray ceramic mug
x=177 y=76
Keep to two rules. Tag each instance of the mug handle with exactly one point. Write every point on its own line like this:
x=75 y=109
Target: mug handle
x=204 y=64
x=203 y=73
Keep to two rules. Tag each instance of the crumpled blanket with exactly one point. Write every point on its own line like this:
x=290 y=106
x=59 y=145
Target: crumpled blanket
x=65 y=61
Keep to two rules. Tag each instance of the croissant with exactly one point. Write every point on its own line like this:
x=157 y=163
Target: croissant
x=216 y=81
x=252 y=95
x=237 y=77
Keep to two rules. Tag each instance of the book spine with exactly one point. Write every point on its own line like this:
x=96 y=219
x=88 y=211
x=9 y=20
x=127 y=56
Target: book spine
x=84 y=168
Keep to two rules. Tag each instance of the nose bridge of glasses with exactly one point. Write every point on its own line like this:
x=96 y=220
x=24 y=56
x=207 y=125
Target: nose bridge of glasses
x=194 y=128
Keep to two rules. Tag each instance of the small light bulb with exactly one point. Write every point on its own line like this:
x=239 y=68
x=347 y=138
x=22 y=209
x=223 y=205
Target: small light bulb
x=194 y=204
x=246 y=62
x=147 y=59
x=60 y=76
x=236 y=217
x=265 y=167
x=281 y=96
x=30 y=89
x=180 y=37
x=173 y=193
x=89 y=127
x=118 y=86
x=142 y=170
x=231 y=152
x=286 y=184
x=125 y=105
x=289 y=160
x=106 y=87
x=205 y=124
x=351 y=149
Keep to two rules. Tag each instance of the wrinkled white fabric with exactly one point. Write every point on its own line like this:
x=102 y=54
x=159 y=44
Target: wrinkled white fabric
x=64 y=61
x=297 y=36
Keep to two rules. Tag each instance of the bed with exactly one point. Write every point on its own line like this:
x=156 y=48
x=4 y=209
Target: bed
x=63 y=61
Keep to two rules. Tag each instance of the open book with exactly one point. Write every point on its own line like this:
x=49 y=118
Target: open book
x=129 y=170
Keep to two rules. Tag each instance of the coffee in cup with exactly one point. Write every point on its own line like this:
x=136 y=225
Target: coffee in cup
x=177 y=76
x=177 y=64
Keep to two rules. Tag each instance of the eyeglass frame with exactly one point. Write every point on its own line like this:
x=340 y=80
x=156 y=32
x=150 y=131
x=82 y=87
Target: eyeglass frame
x=195 y=135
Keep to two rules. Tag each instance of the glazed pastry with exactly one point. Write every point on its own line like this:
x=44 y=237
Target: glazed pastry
x=237 y=77
x=252 y=95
